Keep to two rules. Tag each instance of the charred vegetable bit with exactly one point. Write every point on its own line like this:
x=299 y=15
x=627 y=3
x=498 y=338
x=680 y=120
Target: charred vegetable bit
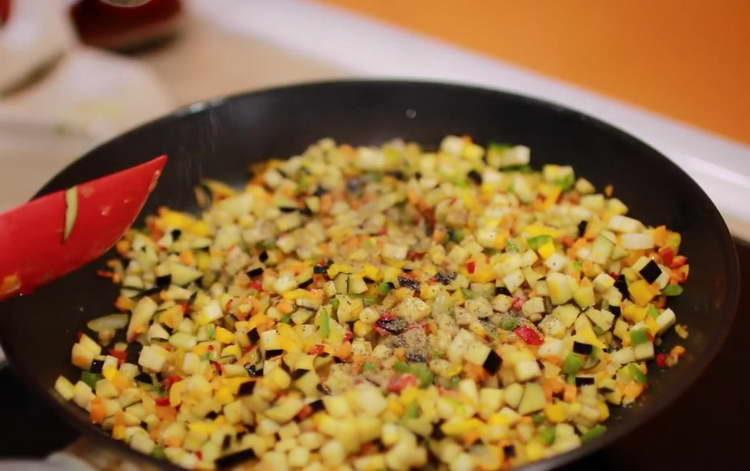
x=387 y=307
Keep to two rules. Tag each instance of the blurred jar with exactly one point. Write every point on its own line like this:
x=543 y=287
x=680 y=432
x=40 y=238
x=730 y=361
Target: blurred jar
x=126 y=24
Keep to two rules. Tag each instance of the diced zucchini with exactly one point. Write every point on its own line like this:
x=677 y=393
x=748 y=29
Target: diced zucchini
x=64 y=388
x=513 y=394
x=183 y=275
x=643 y=351
x=567 y=314
x=142 y=314
x=526 y=370
x=621 y=223
x=665 y=320
x=558 y=285
x=584 y=296
x=111 y=322
x=600 y=318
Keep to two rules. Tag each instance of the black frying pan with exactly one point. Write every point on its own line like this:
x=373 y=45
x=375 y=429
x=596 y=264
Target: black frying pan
x=218 y=139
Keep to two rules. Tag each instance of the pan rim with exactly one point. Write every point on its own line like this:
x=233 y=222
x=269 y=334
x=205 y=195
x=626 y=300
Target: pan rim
x=647 y=411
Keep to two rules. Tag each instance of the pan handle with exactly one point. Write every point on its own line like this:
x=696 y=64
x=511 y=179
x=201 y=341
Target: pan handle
x=86 y=454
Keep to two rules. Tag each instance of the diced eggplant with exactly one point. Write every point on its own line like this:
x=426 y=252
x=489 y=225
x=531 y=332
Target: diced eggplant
x=582 y=348
x=651 y=271
x=493 y=362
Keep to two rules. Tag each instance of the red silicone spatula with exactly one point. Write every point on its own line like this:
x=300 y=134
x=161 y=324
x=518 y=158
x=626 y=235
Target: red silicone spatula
x=51 y=236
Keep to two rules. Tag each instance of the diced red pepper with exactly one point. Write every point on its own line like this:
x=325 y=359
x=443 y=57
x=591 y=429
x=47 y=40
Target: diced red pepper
x=105 y=274
x=199 y=454
x=661 y=360
x=306 y=412
x=162 y=401
x=529 y=335
x=121 y=355
x=401 y=382
x=678 y=261
x=471 y=266
x=667 y=255
x=217 y=366
x=316 y=349
x=171 y=380
x=517 y=303
x=256 y=285
x=348 y=336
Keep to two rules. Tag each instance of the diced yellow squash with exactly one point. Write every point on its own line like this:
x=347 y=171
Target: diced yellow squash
x=641 y=292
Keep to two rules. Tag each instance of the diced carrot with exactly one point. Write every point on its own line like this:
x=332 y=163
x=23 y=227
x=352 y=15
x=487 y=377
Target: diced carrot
x=632 y=390
x=475 y=372
x=124 y=304
x=344 y=350
x=285 y=307
x=97 y=412
x=471 y=438
x=187 y=257
x=552 y=387
x=570 y=393
x=326 y=202
x=165 y=412
x=660 y=235
x=123 y=247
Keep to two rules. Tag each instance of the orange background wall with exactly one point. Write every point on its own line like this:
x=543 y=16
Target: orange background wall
x=687 y=59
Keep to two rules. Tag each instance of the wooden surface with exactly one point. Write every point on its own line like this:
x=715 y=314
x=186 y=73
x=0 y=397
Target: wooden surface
x=687 y=59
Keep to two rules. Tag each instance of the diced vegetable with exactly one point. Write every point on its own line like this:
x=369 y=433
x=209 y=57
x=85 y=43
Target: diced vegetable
x=381 y=308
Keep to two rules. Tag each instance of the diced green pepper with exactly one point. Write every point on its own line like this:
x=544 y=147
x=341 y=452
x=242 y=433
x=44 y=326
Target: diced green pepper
x=369 y=367
x=637 y=373
x=158 y=453
x=593 y=432
x=512 y=246
x=90 y=378
x=456 y=235
x=547 y=435
x=509 y=324
x=468 y=294
x=267 y=244
x=538 y=419
x=335 y=305
x=423 y=374
x=211 y=331
x=401 y=367
x=652 y=311
x=639 y=336
x=572 y=364
x=412 y=411
x=538 y=241
x=566 y=182
x=325 y=323
x=286 y=319
x=385 y=288
x=369 y=300
x=672 y=290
